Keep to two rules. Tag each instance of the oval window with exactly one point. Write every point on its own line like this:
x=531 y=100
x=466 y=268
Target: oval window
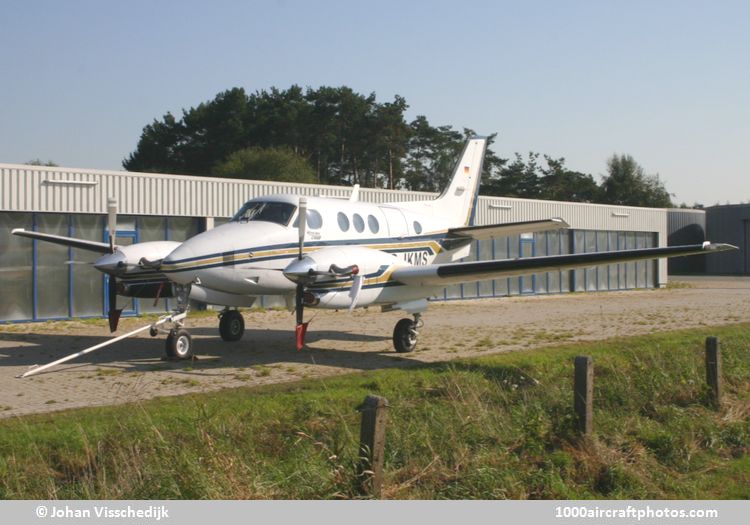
x=343 y=221
x=372 y=222
x=359 y=223
x=314 y=220
x=417 y=227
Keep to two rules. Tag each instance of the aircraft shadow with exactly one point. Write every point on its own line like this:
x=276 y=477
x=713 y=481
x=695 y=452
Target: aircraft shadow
x=257 y=347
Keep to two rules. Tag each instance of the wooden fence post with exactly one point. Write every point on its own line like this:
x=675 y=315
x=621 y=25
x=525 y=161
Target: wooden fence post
x=372 y=445
x=583 y=394
x=713 y=370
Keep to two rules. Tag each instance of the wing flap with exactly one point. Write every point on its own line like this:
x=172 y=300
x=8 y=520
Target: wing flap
x=93 y=246
x=481 y=233
x=456 y=273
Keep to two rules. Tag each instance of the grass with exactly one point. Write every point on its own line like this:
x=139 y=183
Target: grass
x=493 y=427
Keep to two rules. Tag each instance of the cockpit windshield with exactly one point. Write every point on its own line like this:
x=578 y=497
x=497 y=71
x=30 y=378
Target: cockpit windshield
x=277 y=212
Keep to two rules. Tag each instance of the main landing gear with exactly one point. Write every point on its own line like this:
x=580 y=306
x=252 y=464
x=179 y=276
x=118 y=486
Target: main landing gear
x=231 y=325
x=406 y=333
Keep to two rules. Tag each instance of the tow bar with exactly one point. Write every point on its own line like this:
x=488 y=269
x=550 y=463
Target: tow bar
x=172 y=318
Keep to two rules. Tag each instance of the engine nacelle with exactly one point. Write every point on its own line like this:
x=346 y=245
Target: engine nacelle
x=367 y=260
x=147 y=290
x=134 y=258
x=328 y=287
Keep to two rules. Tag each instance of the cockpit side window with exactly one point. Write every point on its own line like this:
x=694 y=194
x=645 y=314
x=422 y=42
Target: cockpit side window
x=276 y=212
x=314 y=220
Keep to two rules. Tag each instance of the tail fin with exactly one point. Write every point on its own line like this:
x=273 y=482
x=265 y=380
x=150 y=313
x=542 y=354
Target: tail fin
x=458 y=201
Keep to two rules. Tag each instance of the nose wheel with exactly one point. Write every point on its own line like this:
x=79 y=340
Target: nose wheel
x=179 y=344
x=405 y=334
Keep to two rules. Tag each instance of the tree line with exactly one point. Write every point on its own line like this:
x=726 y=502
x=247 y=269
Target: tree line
x=333 y=135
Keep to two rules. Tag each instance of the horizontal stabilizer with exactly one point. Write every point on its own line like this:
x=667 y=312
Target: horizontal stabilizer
x=481 y=233
x=456 y=273
x=82 y=244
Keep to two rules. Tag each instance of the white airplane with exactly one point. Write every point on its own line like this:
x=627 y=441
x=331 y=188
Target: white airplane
x=344 y=255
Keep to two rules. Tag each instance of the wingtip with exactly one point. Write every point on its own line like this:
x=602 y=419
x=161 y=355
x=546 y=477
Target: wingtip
x=718 y=246
x=16 y=231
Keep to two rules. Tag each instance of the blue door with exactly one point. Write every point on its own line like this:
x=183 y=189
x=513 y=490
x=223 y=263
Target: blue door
x=527 y=249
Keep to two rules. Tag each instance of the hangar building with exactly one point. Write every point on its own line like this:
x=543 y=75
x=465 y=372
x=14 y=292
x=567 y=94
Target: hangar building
x=42 y=281
x=731 y=224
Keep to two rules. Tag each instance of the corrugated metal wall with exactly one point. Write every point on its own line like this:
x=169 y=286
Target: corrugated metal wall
x=686 y=227
x=68 y=190
x=729 y=224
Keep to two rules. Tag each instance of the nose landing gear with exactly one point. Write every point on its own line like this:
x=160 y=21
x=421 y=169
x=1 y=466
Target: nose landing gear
x=406 y=333
x=179 y=343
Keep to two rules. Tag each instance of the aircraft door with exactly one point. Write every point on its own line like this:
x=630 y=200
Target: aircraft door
x=527 y=249
x=397 y=226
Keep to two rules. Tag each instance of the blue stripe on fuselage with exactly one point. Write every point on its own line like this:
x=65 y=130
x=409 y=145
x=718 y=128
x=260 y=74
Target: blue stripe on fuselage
x=439 y=238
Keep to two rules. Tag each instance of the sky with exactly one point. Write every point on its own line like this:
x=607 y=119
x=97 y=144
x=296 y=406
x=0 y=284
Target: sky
x=667 y=82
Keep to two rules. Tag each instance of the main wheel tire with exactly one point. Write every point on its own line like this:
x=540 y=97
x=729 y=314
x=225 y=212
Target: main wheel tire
x=231 y=325
x=404 y=339
x=179 y=344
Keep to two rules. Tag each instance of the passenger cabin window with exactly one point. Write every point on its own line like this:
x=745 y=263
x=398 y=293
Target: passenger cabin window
x=417 y=228
x=343 y=221
x=359 y=223
x=276 y=212
x=372 y=222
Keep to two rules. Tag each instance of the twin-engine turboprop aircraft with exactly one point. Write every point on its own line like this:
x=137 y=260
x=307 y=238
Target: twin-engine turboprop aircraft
x=344 y=255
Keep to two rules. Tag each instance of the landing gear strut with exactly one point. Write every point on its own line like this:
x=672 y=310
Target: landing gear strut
x=179 y=344
x=405 y=334
x=231 y=325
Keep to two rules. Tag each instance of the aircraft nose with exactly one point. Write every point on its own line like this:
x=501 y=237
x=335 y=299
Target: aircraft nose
x=175 y=265
x=112 y=263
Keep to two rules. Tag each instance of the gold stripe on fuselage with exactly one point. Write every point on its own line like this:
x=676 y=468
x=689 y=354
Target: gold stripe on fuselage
x=247 y=257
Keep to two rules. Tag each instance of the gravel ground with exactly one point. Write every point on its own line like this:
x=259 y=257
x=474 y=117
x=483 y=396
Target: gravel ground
x=338 y=342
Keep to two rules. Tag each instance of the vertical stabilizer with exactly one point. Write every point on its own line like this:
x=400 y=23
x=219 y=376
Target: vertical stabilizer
x=457 y=202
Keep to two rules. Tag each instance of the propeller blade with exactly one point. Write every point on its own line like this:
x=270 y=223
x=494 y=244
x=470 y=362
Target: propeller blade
x=302 y=224
x=111 y=222
x=114 y=312
x=301 y=328
x=354 y=292
x=299 y=306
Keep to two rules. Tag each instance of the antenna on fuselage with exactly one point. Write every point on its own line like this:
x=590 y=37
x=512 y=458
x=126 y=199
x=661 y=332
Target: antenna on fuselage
x=354 y=197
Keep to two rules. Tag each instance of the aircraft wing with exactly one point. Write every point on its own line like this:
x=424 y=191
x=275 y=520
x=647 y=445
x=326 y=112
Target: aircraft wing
x=455 y=273
x=93 y=246
x=481 y=233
